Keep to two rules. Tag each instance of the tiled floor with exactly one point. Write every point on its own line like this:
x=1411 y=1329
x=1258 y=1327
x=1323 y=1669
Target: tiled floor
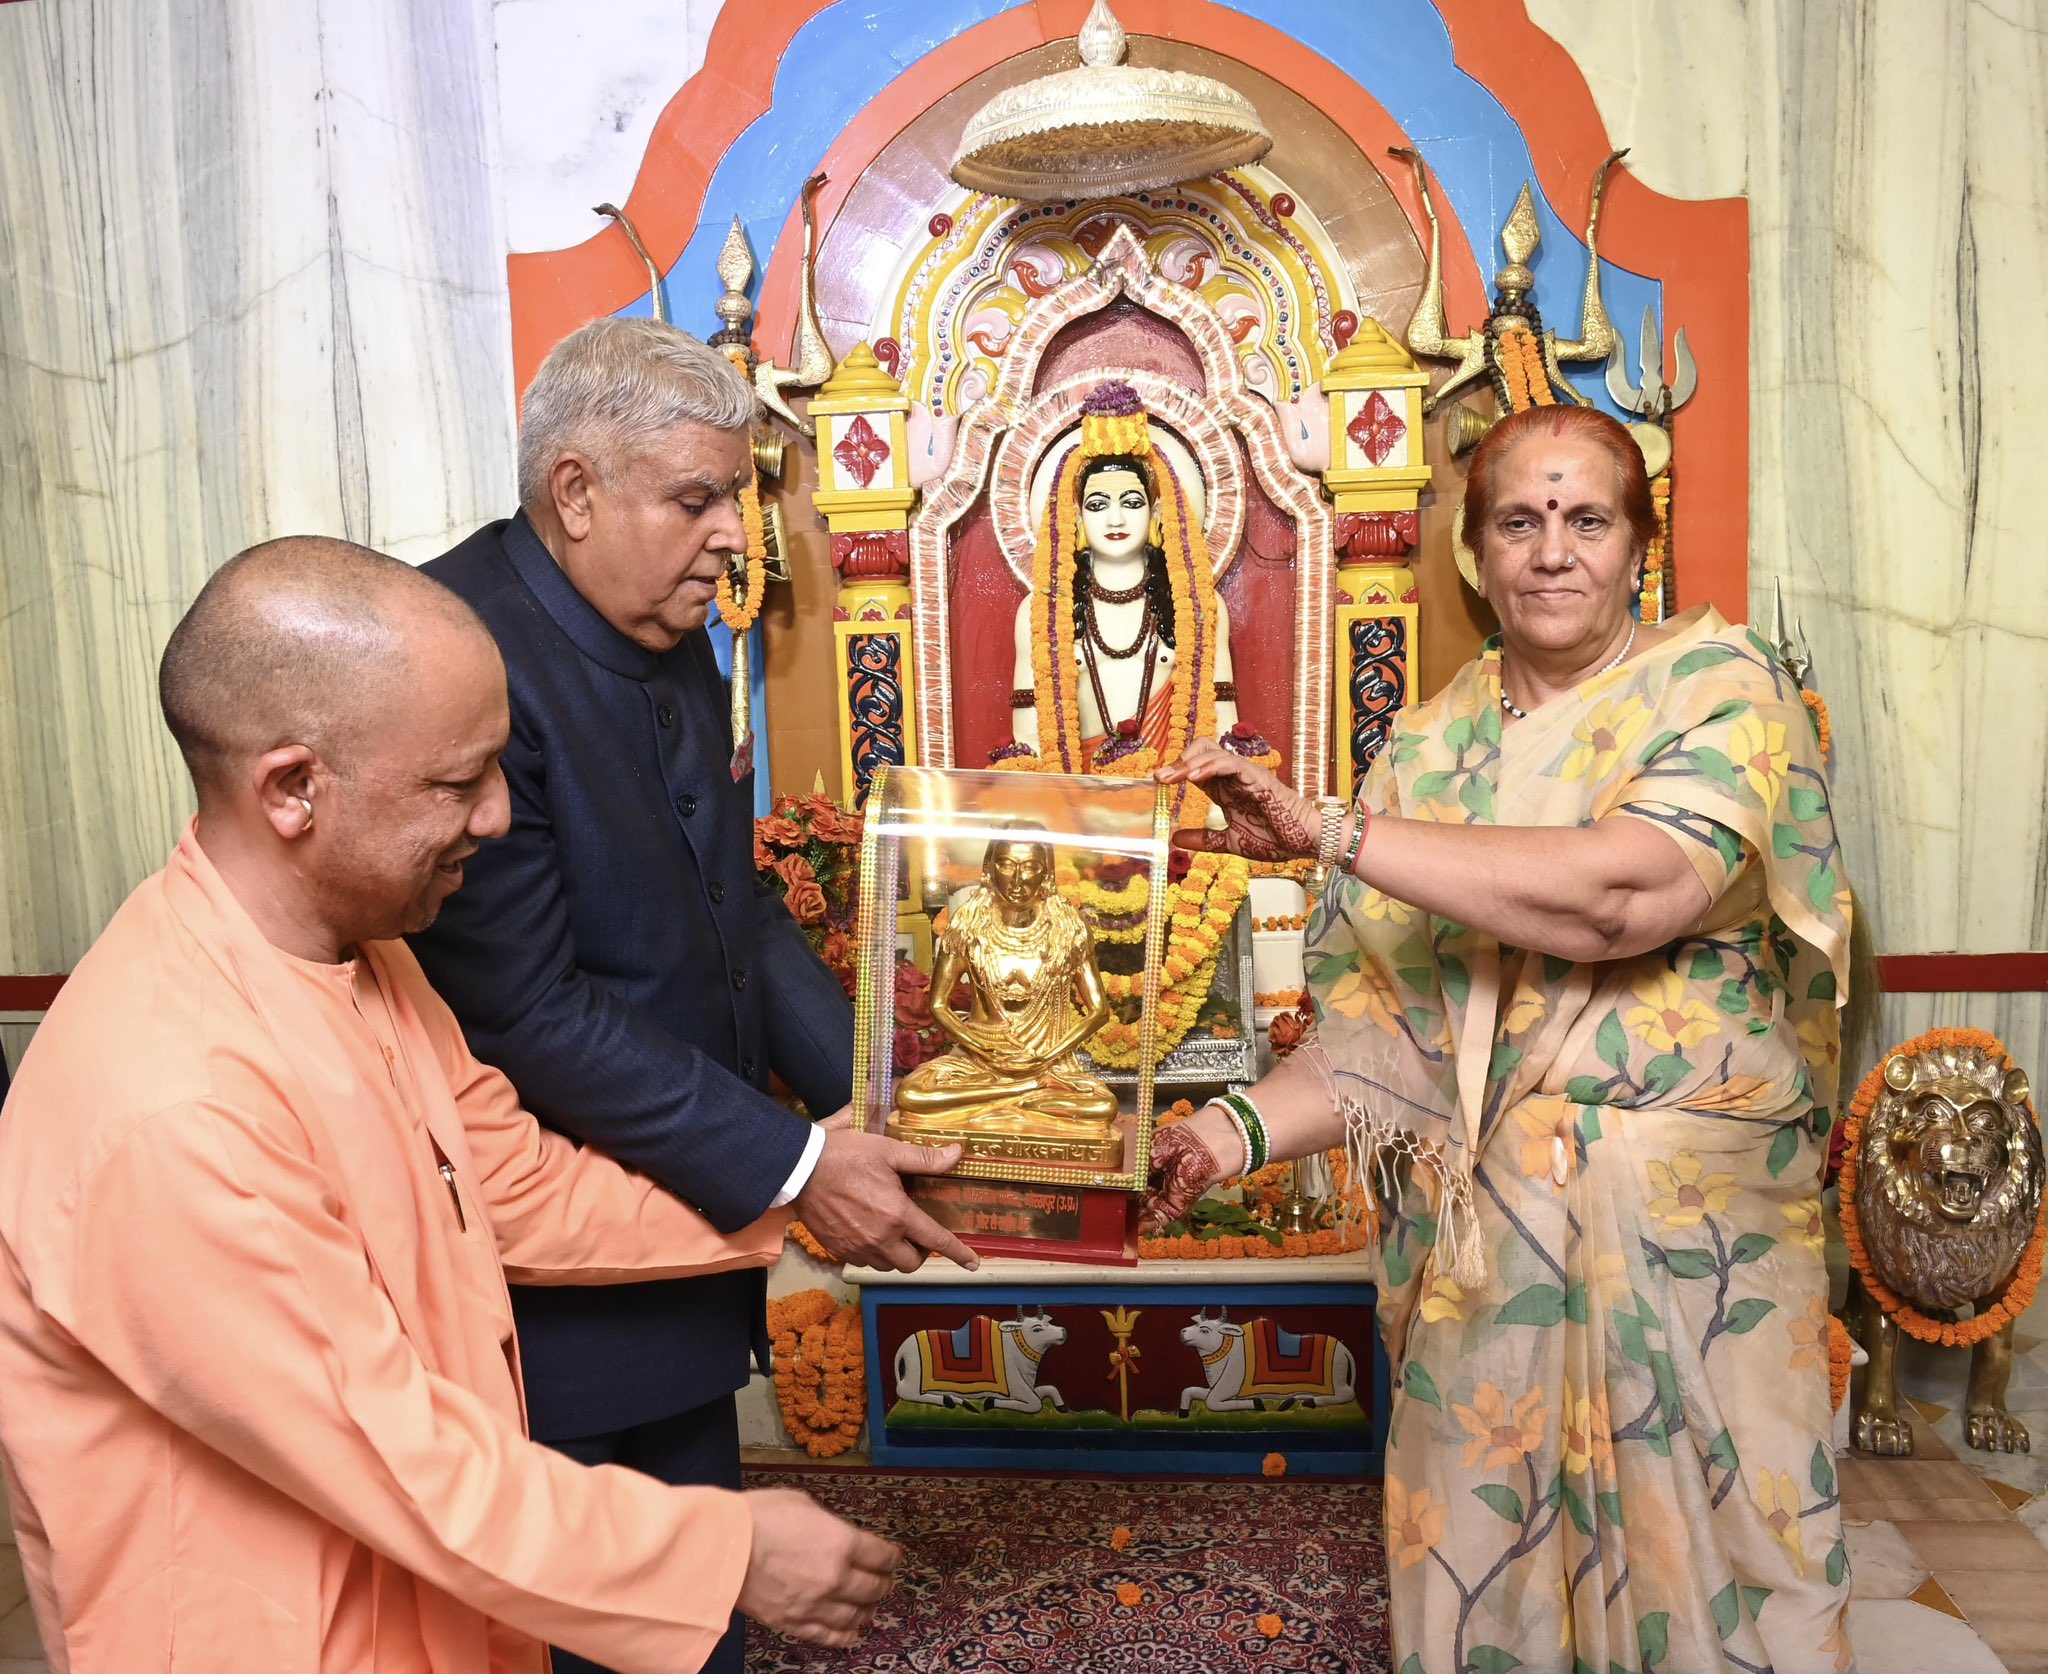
x=1949 y=1549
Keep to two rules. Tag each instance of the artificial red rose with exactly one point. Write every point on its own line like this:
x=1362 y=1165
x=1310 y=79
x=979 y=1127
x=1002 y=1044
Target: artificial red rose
x=819 y=803
x=907 y=1053
x=913 y=997
x=1244 y=729
x=763 y=860
x=837 y=953
x=1285 y=1032
x=780 y=830
x=1127 y=729
x=834 y=825
x=800 y=889
x=1177 y=863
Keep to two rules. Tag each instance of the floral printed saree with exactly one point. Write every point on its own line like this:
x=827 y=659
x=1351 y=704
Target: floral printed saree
x=1599 y=1226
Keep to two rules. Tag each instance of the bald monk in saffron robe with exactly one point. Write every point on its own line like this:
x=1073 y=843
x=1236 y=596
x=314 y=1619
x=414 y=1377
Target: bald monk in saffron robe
x=259 y=1390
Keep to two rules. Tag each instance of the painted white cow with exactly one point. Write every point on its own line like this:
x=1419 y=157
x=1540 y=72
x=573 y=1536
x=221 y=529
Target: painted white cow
x=986 y=1362
x=1259 y=1364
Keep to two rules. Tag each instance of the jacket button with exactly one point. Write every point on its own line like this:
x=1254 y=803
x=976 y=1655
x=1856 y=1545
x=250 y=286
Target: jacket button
x=717 y=893
x=665 y=715
x=747 y=1068
x=686 y=806
x=739 y=981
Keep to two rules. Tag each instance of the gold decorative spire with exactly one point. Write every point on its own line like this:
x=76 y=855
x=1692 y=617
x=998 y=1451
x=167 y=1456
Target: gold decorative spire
x=735 y=268
x=1519 y=238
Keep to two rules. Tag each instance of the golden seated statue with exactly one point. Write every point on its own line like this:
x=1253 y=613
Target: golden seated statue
x=1011 y=1086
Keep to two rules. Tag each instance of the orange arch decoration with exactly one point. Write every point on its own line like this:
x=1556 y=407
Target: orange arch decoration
x=1697 y=251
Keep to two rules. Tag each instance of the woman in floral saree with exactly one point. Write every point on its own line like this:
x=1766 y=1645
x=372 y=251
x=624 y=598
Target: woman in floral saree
x=1576 y=1005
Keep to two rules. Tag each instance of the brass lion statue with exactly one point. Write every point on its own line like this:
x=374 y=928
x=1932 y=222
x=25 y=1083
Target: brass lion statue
x=1947 y=1193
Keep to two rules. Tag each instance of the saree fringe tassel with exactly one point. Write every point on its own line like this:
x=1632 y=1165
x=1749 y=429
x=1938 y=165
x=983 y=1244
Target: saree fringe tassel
x=1375 y=1148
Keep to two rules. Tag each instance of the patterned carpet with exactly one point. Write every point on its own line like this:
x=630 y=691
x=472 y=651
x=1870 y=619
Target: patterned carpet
x=1017 y=1575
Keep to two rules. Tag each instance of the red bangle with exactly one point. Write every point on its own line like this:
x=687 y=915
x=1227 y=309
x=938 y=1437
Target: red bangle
x=1357 y=840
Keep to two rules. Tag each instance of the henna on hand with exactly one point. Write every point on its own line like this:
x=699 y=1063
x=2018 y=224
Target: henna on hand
x=1183 y=1168
x=1267 y=820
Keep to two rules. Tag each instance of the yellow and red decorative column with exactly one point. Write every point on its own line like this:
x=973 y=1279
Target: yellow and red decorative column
x=864 y=495
x=1376 y=477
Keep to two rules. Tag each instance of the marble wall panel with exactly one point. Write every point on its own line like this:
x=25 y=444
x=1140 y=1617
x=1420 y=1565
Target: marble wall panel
x=580 y=87
x=1898 y=192
x=251 y=284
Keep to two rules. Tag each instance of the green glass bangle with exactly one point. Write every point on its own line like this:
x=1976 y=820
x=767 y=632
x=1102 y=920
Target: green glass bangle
x=1255 y=1129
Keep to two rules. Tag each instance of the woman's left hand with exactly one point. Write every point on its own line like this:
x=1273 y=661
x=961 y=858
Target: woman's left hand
x=1266 y=819
x=1183 y=1168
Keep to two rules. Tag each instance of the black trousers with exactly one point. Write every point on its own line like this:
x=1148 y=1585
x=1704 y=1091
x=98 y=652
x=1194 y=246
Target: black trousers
x=699 y=1448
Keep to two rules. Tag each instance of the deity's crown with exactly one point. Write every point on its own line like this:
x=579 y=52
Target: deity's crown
x=1113 y=421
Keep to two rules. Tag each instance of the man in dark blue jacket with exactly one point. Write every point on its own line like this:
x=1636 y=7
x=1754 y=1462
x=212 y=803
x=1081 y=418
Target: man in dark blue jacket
x=615 y=954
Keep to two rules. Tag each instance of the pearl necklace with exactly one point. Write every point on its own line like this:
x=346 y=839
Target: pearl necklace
x=1614 y=662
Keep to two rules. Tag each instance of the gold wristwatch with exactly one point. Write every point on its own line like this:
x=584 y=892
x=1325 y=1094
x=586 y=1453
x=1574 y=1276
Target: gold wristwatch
x=1331 y=835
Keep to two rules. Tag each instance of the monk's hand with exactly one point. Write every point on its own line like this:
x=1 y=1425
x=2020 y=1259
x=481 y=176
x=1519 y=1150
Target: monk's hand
x=1264 y=818
x=1185 y=1165
x=855 y=1205
x=810 y=1575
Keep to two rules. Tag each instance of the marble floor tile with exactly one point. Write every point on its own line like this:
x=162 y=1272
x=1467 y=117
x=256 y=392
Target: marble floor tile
x=1995 y=1548
x=2009 y=1615
x=1893 y=1636
x=18 y=1635
x=1924 y=1490
x=1882 y=1561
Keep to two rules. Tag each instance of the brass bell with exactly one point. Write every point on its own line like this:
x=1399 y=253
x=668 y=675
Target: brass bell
x=1464 y=427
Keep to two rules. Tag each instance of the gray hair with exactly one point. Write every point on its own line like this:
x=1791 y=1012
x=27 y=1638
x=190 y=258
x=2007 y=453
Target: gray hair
x=616 y=383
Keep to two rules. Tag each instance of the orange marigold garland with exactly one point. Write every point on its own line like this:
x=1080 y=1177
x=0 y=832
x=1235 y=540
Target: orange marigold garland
x=806 y=1240
x=1817 y=707
x=740 y=614
x=1841 y=1354
x=2026 y=1276
x=820 y=1371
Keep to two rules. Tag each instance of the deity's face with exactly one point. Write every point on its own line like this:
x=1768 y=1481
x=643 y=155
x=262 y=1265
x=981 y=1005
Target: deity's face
x=1019 y=871
x=1116 y=514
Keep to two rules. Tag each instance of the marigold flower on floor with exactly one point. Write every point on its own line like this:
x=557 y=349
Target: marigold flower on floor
x=1119 y=1540
x=1271 y=1626
x=1275 y=1464
x=1129 y=1594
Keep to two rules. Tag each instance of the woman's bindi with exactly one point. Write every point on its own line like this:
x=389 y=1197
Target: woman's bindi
x=1550 y=505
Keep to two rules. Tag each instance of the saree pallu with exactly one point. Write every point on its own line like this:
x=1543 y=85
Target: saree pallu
x=1599 y=1223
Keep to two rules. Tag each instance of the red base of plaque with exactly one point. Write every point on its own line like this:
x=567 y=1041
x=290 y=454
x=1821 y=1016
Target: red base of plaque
x=1034 y=1222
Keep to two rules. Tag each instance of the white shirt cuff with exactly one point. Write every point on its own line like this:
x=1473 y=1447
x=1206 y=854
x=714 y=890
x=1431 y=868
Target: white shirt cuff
x=800 y=1176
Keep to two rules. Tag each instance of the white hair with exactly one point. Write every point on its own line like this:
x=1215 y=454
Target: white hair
x=616 y=383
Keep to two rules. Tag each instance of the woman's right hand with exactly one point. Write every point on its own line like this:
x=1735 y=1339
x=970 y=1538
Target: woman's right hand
x=1266 y=819
x=1185 y=1165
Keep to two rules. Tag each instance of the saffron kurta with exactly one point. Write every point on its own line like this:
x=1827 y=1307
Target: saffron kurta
x=259 y=1390
x=1602 y=1277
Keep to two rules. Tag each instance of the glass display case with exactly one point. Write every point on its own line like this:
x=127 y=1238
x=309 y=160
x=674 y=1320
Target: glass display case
x=1047 y=907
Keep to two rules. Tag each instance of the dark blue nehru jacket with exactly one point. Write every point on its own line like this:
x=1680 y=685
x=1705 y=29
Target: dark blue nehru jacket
x=615 y=956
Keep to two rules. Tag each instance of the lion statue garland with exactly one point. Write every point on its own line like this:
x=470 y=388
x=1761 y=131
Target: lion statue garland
x=1941 y=1202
